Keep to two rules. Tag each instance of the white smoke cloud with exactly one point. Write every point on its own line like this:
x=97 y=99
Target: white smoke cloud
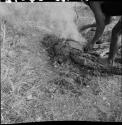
x=54 y=17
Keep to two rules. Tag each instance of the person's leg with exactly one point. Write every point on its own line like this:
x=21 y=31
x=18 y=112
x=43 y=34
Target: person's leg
x=107 y=21
x=116 y=33
x=100 y=24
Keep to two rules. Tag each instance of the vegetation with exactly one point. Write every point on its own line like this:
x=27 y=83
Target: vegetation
x=45 y=75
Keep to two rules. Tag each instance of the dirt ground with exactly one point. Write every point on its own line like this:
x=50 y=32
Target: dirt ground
x=42 y=78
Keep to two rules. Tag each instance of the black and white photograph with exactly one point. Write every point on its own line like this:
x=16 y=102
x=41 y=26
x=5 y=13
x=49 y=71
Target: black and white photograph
x=61 y=61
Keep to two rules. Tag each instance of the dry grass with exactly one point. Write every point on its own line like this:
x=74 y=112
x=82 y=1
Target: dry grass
x=35 y=86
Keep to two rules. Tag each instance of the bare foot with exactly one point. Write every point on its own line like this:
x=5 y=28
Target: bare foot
x=106 y=62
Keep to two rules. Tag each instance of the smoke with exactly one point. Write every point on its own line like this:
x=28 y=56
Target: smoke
x=53 y=17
